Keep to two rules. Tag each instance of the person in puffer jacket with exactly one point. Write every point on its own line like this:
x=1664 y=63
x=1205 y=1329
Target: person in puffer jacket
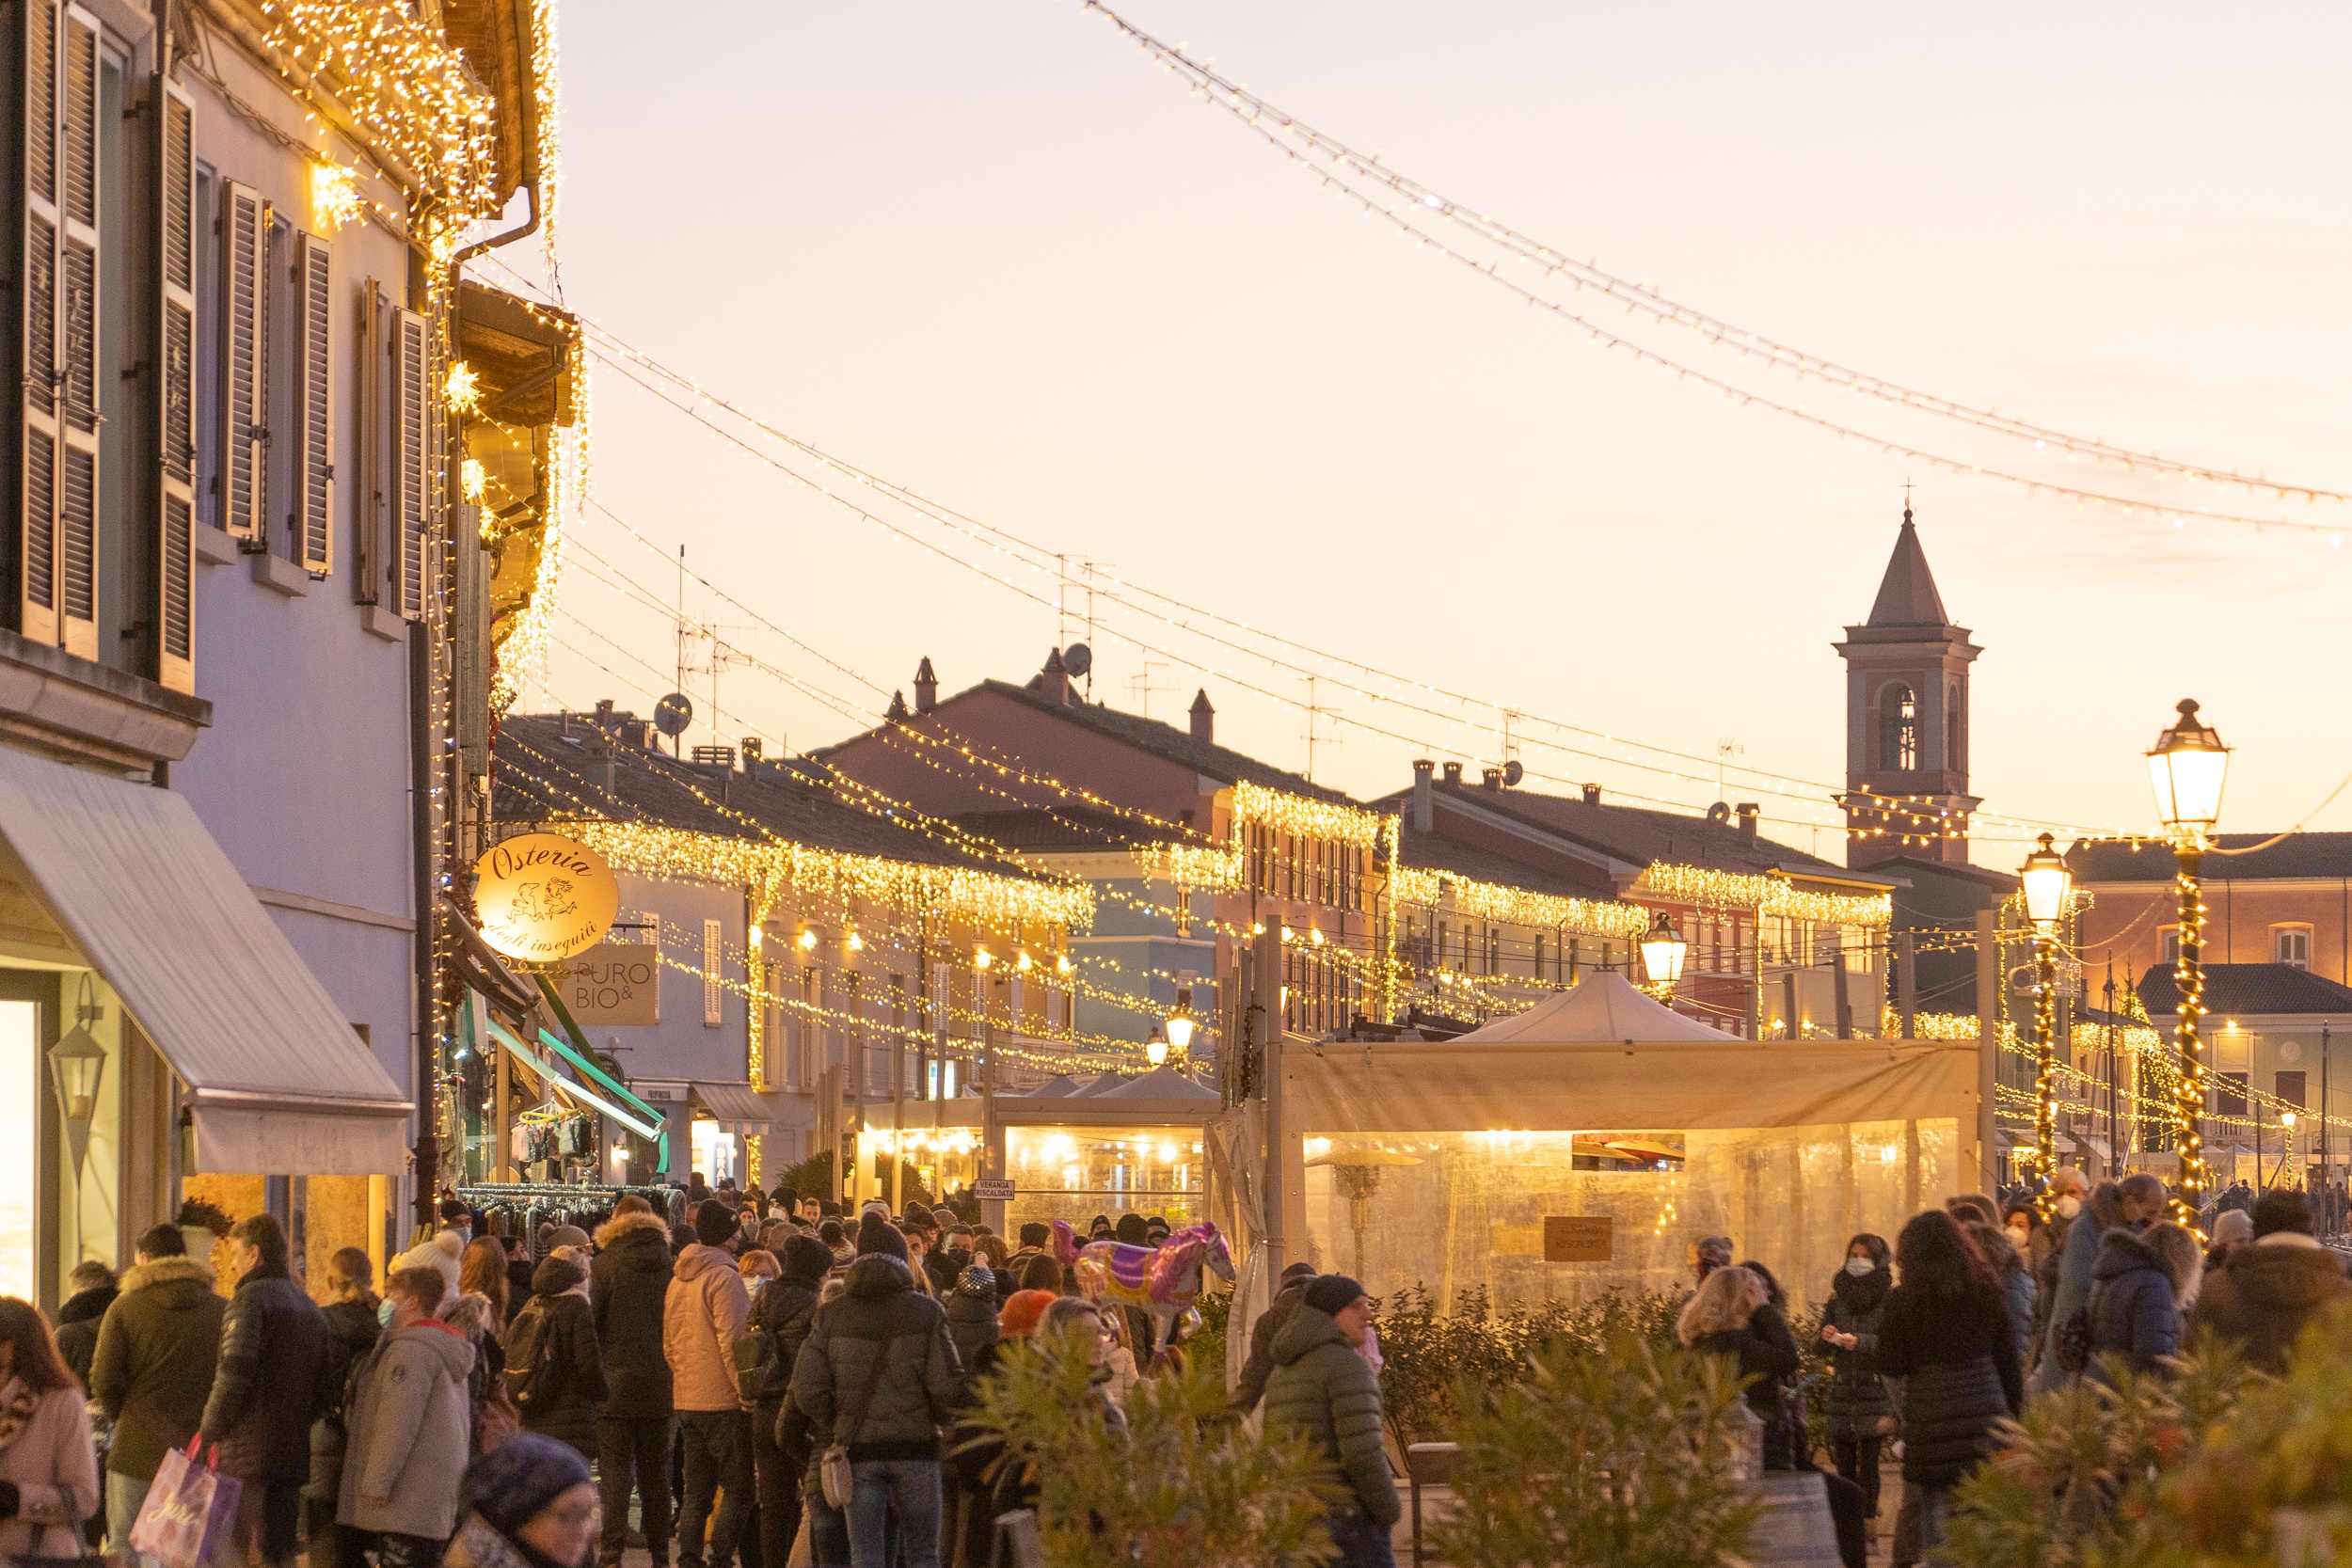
x=1861 y=1412
x=1945 y=1330
x=704 y=1312
x=786 y=1310
x=972 y=1312
x=885 y=1334
x=1323 y=1388
x=628 y=1283
x=408 y=1423
x=2133 y=1312
x=555 y=1374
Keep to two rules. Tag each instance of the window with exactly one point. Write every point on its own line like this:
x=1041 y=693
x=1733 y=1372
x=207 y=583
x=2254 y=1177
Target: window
x=1898 y=729
x=2291 y=1087
x=2291 y=945
x=2171 y=934
x=713 y=994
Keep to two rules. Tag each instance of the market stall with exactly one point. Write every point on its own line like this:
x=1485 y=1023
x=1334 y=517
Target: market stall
x=1584 y=1145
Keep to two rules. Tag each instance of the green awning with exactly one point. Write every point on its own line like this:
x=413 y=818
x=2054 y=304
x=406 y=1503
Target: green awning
x=643 y=1129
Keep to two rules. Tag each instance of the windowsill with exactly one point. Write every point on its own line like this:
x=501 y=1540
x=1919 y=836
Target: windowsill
x=279 y=575
x=214 y=547
x=382 y=622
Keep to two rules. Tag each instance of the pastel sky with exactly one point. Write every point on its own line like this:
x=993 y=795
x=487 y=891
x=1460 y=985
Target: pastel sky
x=992 y=252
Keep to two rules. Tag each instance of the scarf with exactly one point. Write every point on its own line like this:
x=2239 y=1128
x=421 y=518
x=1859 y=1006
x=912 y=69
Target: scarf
x=1863 y=1292
x=17 y=1410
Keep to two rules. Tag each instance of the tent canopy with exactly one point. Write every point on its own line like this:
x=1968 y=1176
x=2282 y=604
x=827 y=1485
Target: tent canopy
x=1604 y=1006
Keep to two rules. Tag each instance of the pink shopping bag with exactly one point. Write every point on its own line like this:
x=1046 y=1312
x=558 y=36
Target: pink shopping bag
x=189 y=1509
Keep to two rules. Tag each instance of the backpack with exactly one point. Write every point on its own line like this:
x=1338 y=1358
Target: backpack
x=535 y=1379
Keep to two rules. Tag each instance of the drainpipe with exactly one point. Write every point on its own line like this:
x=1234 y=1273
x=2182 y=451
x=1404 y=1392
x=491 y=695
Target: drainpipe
x=426 y=756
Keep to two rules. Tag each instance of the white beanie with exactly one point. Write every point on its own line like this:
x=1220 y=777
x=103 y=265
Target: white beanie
x=445 y=1251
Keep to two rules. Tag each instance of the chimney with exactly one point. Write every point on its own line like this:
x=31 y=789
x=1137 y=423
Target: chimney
x=753 y=747
x=1491 y=778
x=925 y=686
x=1052 y=682
x=1203 y=717
x=604 y=713
x=1592 y=795
x=1747 y=813
x=1425 y=806
x=897 y=713
x=1454 y=775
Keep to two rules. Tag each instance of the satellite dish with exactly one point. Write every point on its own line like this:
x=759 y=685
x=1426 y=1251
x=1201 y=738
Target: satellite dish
x=673 y=714
x=1513 y=771
x=1077 y=658
x=1719 y=813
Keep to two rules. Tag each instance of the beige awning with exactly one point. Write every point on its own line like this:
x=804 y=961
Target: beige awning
x=739 y=1107
x=278 y=1082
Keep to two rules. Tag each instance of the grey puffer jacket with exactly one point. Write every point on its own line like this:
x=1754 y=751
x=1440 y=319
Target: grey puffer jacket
x=884 y=1333
x=409 y=1442
x=1323 y=1388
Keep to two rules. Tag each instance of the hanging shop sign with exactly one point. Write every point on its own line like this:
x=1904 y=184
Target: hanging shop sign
x=543 y=897
x=1580 y=1239
x=617 y=984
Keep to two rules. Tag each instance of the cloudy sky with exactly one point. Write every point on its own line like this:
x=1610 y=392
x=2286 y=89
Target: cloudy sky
x=995 y=254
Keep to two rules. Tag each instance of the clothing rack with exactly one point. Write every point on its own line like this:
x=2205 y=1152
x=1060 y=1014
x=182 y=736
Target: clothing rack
x=530 y=1204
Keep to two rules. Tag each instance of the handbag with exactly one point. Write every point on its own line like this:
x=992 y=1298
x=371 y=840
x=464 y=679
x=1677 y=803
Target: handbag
x=833 y=1471
x=188 y=1511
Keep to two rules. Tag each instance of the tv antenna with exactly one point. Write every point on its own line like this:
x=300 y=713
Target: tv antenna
x=1140 y=686
x=1725 y=748
x=1313 y=710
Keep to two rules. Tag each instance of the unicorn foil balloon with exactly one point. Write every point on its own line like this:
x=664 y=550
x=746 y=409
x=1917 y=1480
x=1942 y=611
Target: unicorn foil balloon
x=1164 y=1281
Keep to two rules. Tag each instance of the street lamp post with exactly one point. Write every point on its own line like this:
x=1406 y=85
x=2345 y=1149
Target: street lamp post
x=1663 y=951
x=2049 y=886
x=2186 y=768
x=2286 y=1159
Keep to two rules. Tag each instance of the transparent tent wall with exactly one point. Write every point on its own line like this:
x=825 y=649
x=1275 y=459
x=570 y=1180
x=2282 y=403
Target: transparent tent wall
x=1471 y=1211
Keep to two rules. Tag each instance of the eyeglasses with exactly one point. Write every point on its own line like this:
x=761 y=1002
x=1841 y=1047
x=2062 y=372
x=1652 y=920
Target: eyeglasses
x=585 y=1516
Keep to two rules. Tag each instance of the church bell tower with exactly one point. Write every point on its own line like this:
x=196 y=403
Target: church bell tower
x=1907 y=718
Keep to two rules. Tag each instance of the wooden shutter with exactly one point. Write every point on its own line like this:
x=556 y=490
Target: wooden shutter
x=371 y=570
x=411 y=406
x=175 y=524
x=244 y=480
x=309 y=520
x=713 y=997
x=77 y=337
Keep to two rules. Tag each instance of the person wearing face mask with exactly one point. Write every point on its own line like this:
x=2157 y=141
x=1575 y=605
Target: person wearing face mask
x=351 y=1329
x=2069 y=1189
x=1860 y=1413
x=528 y=1503
x=2018 y=1219
x=2131 y=1205
x=409 y=1427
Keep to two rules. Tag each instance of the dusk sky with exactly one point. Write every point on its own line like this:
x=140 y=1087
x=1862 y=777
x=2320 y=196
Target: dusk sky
x=993 y=253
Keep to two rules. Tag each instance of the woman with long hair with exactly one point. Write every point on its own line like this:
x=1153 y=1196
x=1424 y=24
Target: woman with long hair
x=1945 y=1329
x=48 y=1462
x=479 y=1311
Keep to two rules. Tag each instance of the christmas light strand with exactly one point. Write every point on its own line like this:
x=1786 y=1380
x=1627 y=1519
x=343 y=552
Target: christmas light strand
x=1339 y=162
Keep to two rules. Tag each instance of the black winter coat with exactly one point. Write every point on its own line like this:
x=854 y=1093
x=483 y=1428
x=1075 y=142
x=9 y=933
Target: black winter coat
x=1858 y=1400
x=272 y=1381
x=627 y=1286
x=558 y=1393
x=786 y=1308
x=77 y=1328
x=1958 y=1359
x=2131 y=1310
x=352 y=1331
x=971 y=1308
x=885 y=1334
x=1767 y=1355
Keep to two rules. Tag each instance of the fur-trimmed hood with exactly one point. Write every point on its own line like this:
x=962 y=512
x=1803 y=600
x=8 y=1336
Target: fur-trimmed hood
x=164 y=1270
x=619 y=1225
x=473 y=1316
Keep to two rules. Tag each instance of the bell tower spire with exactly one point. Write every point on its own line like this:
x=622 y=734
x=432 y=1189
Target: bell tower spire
x=1907 y=718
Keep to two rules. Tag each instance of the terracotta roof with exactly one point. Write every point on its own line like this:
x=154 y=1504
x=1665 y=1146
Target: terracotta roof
x=1907 y=596
x=2295 y=856
x=540 y=770
x=1640 y=835
x=1161 y=740
x=2250 y=991
x=1435 y=852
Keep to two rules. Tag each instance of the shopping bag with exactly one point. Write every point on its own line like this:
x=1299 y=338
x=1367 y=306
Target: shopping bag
x=189 y=1509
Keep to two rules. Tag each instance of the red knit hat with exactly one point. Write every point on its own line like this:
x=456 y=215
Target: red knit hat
x=1022 y=1314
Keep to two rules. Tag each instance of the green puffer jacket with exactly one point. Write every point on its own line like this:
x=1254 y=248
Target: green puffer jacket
x=1323 y=1388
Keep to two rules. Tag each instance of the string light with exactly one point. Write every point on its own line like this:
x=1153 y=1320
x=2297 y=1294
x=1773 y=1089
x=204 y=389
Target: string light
x=1517 y=906
x=334 y=196
x=1773 y=896
x=1402 y=199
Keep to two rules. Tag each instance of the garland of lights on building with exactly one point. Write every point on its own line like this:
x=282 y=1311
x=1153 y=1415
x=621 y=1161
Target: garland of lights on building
x=1773 y=896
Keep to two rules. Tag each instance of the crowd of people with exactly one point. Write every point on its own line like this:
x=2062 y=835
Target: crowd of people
x=748 y=1371
x=1936 y=1342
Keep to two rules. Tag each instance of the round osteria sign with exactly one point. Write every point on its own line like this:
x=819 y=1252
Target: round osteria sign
x=543 y=897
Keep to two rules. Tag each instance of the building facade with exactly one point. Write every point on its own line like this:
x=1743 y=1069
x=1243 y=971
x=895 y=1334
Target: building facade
x=225 y=646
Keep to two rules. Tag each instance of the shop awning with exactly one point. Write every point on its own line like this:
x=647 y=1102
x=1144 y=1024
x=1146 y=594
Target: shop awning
x=636 y=1121
x=278 y=1081
x=737 y=1107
